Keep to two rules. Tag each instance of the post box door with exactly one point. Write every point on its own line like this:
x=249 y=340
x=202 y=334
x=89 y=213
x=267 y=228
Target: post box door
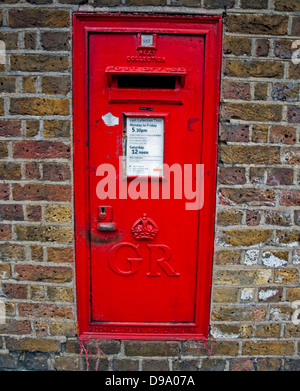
x=145 y=187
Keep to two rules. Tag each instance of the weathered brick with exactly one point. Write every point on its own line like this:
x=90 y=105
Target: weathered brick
x=10 y=39
x=282 y=134
x=254 y=4
x=56 y=85
x=229 y=217
x=58 y=213
x=62 y=328
x=3 y=148
x=288 y=92
x=247 y=237
x=225 y=294
x=10 y=128
x=37 y=17
x=268 y=348
x=56 y=128
x=291 y=156
x=10 y=171
x=293 y=114
x=250 y=154
x=4 y=191
x=259 y=133
x=37 y=192
x=66 y=363
x=32 y=128
x=220 y=348
x=30 y=40
x=153 y=348
x=36 y=361
x=252 y=217
x=7 y=84
x=290 y=198
x=270 y=294
x=262 y=47
x=32 y=171
x=280 y=176
x=286 y=276
x=247 y=196
x=232 y=175
x=15 y=291
x=140 y=2
x=16 y=327
x=37 y=253
x=213 y=364
x=55 y=293
x=296 y=26
x=5 y=232
x=261 y=91
x=56 y=172
x=41 y=310
x=43 y=273
x=237 y=46
x=242 y=364
x=257 y=24
x=283 y=48
x=269 y=330
x=253 y=68
x=287 y=5
x=55 y=40
x=44 y=233
x=292 y=364
x=238 y=313
x=39 y=106
x=59 y=254
x=40 y=149
x=33 y=344
x=288 y=238
x=294 y=71
x=254 y=112
x=257 y=175
x=278 y=217
x=11 y=212
x=4 y=271
x=268 y=364
x=29 y=84
x=12 y=252
x=236 y=90
x=234 y=133
x=155 y=365
x=243 y=277
x=224 y=257
x=125 y=364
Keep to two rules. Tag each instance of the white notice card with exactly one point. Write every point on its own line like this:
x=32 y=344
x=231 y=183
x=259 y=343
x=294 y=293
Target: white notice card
x=145 y=146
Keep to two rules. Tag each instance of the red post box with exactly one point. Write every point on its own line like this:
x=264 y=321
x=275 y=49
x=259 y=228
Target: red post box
x=146 y=94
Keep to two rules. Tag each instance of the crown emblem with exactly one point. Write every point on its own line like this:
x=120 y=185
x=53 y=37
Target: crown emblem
x=144 y=228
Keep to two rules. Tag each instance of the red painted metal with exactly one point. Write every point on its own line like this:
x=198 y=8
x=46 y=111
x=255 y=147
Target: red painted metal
x=144 y=266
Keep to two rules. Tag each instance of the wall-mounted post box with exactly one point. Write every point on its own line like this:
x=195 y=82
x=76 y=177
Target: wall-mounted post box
x=146 y=94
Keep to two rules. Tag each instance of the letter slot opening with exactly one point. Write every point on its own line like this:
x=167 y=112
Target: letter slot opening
x=146 y=81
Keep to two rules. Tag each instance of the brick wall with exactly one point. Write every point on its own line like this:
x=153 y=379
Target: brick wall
x=257 y=258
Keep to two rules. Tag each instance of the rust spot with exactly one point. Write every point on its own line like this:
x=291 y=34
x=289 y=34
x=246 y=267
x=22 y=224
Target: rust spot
x=191 y=121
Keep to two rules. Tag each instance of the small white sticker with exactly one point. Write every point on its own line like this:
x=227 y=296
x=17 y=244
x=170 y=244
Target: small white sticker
x=110 y=120
x=146 y=40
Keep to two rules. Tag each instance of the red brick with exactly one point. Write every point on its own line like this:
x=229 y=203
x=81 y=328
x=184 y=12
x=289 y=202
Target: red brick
x=280 y=176
x=15 y=291
x=5 y=232
x=290 y=198
x=236 y=90
x=10 y=128
x=11 y=212
x=43 y=273
x=32 y=171
x=232 y=175
x=56 y=172
x=283 y=134
x=293 y=114
x=40 y=149
x=247 y=196
x=234 y=133
x=4 y=191
x=252 y=217
x=37 y=192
